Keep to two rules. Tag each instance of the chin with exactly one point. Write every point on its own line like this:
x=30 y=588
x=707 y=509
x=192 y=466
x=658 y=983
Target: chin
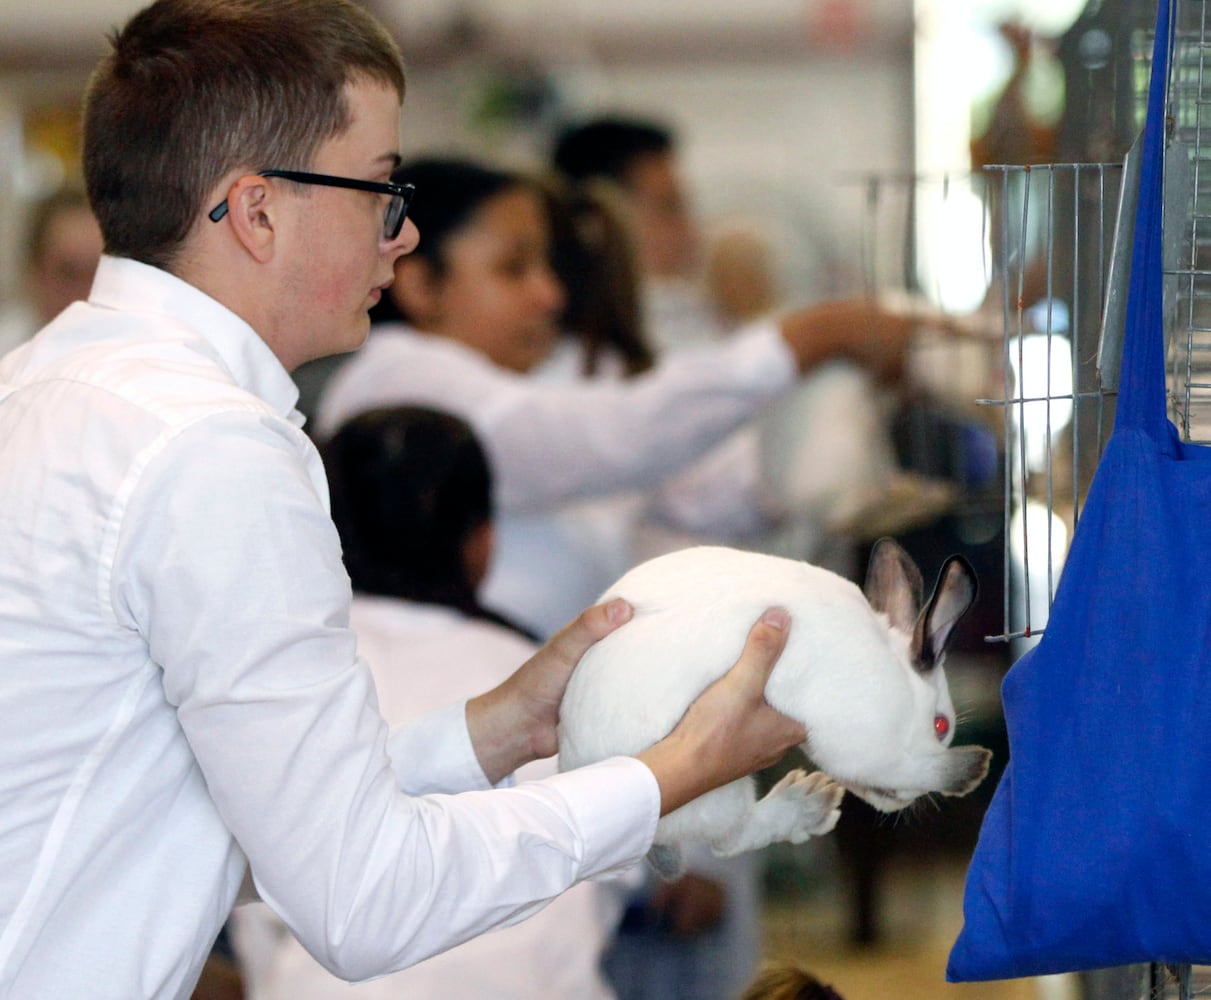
x=355 y=336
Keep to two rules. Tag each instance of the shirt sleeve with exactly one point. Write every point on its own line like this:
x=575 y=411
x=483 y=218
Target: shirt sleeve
x=229 y=565
x=609 y=436
x=434 y=753
x=551 y=442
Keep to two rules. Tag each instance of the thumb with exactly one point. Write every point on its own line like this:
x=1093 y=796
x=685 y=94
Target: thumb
x=572 y=641
x=765 y=642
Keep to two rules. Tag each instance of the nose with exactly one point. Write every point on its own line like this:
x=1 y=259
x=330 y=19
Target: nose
x=549 y=290
x=406 y=241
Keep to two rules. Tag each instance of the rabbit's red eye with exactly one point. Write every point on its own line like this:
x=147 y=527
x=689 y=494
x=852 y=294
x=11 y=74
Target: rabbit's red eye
x=941 y=726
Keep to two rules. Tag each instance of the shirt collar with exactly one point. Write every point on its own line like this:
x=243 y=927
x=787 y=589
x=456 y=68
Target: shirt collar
x=128 y=285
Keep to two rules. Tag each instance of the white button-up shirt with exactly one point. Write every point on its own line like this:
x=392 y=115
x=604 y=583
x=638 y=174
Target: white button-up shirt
x=423 y=656
x=180 y=688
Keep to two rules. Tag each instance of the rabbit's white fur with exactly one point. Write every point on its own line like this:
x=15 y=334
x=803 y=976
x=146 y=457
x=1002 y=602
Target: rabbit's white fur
x=826 y=449
x=848 y=673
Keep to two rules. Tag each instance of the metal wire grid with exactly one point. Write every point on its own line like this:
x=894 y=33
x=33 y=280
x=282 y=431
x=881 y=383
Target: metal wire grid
x=1188 y=223
x=925 y=237
x=1052 y=247
x=1039 y=254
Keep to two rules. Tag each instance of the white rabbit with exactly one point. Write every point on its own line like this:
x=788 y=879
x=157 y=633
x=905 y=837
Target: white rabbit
x=829 y=464
x=863 y=673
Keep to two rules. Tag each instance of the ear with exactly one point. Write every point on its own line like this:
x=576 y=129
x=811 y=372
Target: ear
x=250 y=209
x=954 y=594
x=417 y=291
x=893 y=584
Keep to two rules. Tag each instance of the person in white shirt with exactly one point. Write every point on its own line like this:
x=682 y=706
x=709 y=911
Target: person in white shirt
x=412 y=502
x=184 y=703
x=481 y=307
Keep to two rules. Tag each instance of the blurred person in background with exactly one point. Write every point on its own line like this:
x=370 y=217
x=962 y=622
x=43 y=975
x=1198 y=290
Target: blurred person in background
x=640 y=156
x=62 y=249
x=824 y=453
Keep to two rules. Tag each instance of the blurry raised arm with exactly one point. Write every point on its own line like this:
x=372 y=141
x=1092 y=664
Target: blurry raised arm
x=859 y=329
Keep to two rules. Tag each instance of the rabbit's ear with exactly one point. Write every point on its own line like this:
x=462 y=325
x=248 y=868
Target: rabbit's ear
x=954 y=594
x=893 y=584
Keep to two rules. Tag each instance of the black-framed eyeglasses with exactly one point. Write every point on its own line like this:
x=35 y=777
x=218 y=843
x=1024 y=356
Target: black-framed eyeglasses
x=393 y=218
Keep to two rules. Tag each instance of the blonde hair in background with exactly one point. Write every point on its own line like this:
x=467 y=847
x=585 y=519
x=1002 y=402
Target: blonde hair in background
x=785 y=979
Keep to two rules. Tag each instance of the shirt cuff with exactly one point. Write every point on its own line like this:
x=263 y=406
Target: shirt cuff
x=762 y=357
x=616 y=835
x=434 y=754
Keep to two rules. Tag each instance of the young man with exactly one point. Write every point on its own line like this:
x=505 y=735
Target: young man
x=182 y=700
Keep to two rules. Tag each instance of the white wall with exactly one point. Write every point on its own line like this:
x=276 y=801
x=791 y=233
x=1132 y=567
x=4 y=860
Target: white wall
x=785 y=141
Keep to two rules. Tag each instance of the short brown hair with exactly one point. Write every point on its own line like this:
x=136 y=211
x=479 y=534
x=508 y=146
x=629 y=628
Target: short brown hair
x=193 y=89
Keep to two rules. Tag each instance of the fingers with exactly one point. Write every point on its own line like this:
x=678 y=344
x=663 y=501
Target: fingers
x=765 y=642
x=572 y=641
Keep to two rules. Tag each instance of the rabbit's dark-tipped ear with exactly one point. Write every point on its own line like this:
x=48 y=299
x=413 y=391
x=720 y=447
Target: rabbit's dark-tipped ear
x=954 y=594
x=894 y=585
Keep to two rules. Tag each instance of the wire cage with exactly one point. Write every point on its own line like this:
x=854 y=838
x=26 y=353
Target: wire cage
x=1187 y=244
x=927 y=239
x=1058 y=260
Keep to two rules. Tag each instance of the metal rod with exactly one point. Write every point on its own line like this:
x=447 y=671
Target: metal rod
x=1006 y=375
x=1019 y=320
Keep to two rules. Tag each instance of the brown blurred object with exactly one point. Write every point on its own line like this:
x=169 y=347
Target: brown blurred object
x=741 y=274
x=54 y=130
x=1014 y=135
x=689 y=905
x=787 y=980
x=64 y=247
x=220 y=980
